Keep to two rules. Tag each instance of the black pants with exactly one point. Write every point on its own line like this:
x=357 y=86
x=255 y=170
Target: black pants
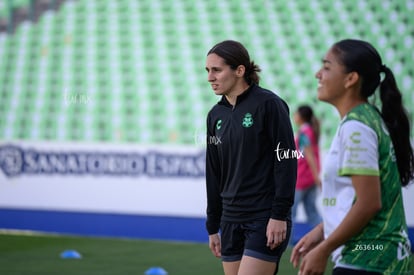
x=347 y=271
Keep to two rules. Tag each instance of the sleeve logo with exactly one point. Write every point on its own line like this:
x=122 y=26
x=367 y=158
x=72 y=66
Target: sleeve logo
x=218 y=124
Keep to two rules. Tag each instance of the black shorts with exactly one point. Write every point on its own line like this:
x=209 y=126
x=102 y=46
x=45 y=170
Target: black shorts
x=347 y=271
x=238 y=239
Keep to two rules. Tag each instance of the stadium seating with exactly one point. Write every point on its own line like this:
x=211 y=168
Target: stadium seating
x=133 y=71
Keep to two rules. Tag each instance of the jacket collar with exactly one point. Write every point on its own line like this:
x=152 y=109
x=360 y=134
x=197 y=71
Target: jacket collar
x=239 y=99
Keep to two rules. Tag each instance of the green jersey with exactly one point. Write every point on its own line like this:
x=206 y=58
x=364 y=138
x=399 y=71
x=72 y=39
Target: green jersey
x=362 y=146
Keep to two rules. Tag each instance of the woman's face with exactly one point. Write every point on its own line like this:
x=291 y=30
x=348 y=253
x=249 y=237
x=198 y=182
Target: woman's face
x=222 y=78
x=331 y=76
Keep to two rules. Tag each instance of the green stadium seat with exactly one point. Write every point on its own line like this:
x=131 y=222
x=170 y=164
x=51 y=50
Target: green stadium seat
x=141 y=63
x=4 y=12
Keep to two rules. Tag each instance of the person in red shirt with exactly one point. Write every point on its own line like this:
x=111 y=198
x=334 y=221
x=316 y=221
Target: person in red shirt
x=308 y=180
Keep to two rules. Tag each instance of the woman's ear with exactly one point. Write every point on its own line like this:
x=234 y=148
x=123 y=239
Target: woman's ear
x=351 y=79
x=240 y=70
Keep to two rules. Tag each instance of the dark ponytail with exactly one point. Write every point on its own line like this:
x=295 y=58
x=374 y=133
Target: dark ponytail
x=398 y=124
x=251 y=75
x=361 y=57
x=308 y=116
x=235 y=54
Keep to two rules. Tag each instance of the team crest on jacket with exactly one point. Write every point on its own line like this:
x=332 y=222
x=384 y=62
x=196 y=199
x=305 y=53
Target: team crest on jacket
x=247 y=120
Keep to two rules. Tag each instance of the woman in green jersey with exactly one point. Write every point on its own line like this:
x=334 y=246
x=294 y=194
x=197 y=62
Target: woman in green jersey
x=364 y=227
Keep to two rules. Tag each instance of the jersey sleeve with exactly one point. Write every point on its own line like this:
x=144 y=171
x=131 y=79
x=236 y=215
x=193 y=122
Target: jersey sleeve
x=304 y=141
x=214 y=203
x=359 y=150
x=280 y=133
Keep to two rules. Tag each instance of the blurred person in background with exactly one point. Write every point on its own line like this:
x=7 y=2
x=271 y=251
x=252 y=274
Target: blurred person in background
x=364 y=226
x=250 y=174
x=308 y=181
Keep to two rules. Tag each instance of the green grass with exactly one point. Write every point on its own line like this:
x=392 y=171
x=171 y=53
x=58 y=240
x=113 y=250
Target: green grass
x=29 y=254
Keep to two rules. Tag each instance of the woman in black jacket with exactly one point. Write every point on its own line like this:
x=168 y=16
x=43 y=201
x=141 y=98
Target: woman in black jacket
x=251 y=166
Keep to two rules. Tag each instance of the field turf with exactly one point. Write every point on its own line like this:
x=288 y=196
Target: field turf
x=40 y=254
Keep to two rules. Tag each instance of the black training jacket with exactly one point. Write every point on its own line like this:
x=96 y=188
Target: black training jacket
x=250 y=162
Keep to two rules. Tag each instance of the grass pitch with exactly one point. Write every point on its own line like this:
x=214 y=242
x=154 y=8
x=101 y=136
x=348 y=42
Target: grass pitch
x=40 y=254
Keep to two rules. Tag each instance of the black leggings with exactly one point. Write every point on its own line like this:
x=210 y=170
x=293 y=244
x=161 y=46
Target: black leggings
x=347 y=271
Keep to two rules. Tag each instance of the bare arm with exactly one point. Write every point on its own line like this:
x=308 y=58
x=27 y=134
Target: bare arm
x=367 y=204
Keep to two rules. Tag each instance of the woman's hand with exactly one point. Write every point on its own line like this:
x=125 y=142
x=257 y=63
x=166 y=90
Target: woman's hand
x=315 y=261
x=307 y=243
x=275 y=233
x=215 y=244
